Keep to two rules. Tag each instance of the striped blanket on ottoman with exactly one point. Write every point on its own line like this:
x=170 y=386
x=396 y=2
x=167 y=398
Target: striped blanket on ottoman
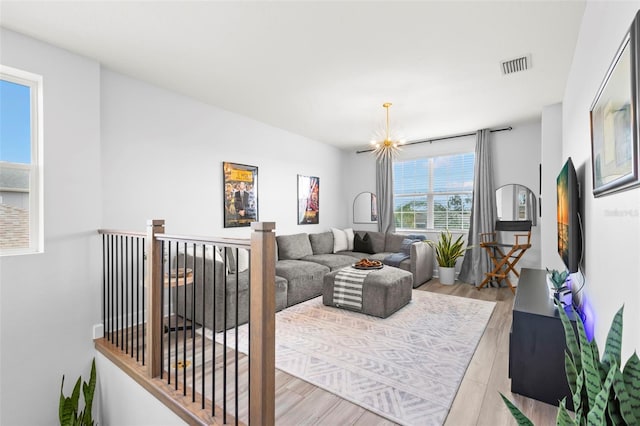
x=378 y=292
x=347 y=288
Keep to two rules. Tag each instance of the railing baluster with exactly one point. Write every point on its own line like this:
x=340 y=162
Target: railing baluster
x=237 y=317
x=126 y=294
x=213 y=326
x=144 y=322
x=137 y=298
x=204 y=316
x=131 y=301
x=184 y=322
x=224 y=344
x=112 y=276
x=193 y=320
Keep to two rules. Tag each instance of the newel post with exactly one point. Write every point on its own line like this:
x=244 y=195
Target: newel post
x=154 y=299
x=262 y=327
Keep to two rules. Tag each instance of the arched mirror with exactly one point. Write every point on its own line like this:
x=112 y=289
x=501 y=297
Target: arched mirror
x=516 y=202
x=365 y=209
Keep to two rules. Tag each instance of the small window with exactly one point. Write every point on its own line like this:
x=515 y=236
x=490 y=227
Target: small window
x=433 y=193
x=20 y=162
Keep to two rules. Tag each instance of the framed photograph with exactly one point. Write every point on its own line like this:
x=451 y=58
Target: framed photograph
x=240 y=187
x=308 y=200
x=614 y=122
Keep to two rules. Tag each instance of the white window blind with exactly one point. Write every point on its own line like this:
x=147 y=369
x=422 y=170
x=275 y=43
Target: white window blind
x=434 y=192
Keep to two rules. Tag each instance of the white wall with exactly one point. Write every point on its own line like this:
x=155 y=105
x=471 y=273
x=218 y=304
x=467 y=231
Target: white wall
x=612 y=223
x=49 y=301
x=128 y=403
x=162 y=157
x=515 y=156
x=516 y=159
x=552 y=162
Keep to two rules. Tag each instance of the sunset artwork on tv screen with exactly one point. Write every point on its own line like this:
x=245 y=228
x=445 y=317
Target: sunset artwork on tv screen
x=569 y=236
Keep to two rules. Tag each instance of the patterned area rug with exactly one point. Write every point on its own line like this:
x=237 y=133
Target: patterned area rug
x=406 y=368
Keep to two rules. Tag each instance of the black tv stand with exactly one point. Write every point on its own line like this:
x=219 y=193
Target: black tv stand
x=537 y=343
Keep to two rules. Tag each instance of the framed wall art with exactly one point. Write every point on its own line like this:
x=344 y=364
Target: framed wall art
x=240 y=187
x=614 y=122
x=308 y=200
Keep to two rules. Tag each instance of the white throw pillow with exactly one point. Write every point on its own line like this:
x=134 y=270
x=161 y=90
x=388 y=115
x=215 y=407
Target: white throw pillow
x=340 y=242
x=242 y=263
x=350 y=237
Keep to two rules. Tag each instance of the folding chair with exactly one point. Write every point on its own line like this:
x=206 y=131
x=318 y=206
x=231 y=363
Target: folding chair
x=505 y=261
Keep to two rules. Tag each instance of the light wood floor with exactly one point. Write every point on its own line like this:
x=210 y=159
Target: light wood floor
x=297 y=402
x=477 y=402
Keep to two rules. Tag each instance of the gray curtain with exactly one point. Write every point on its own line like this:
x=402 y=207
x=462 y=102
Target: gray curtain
x=384 y=191
x=476 y=262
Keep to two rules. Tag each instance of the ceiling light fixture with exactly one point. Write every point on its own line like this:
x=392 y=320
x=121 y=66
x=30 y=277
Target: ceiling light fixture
x=387 y=146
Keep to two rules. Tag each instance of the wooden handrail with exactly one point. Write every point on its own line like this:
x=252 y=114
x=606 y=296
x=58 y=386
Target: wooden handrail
x=118 y=232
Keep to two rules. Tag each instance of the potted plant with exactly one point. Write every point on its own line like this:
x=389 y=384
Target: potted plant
x=558 y=289
x=447 y=253
x=68 y=411
x=603 y=391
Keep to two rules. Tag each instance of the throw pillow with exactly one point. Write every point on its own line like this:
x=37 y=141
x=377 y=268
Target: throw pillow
x=350 y=238
x=340 y=242
x=231 y=260
x=242 y=262
x=406 y=245
x=362 y=244
x=235 y=264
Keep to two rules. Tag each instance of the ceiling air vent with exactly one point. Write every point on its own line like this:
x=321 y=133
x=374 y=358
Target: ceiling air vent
x=522 y=63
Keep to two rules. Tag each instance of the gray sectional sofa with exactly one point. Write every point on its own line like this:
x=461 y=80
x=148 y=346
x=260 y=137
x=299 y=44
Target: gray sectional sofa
x=301 y=264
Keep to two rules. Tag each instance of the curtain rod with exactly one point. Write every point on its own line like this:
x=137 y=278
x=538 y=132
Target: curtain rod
x=443 y=138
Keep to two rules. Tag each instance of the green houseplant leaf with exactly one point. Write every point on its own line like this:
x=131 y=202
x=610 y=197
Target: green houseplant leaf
x=626 y=405
x=631 y=377
x=596 y=416
x=516 y=413
x=564 y=418
x=87 y=390
x=613 y=347
x=570 y=338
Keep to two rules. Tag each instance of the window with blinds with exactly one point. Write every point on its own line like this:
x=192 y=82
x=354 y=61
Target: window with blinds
x=434 y=192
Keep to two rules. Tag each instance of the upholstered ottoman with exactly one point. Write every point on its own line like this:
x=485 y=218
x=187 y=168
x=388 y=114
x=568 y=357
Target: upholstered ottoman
x=379 y=292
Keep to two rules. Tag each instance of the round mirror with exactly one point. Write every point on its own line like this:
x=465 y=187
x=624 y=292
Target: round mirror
x=365 y=209
x=516 y=202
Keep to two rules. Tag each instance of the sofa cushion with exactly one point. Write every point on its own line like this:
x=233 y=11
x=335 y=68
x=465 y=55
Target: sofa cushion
x=304 y=279
x=363 y=244
x=393 y=242
x=291 y=247
x=340 y=242
x=332 y=261
x=322 y=243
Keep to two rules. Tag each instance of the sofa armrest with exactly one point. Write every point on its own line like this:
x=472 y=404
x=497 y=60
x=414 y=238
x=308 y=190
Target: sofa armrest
x=421 y=263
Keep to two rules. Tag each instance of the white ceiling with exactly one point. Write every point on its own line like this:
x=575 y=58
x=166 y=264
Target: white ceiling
x=323 y=69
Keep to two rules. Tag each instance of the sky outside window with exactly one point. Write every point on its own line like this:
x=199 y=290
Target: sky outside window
x=15 y=119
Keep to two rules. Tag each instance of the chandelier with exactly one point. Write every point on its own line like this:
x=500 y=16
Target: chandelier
x=387 y=146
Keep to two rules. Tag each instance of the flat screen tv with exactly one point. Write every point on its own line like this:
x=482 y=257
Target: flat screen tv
x=569 y=233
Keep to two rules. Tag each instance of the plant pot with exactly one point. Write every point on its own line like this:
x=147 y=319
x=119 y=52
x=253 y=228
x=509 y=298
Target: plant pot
x=447 y=275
